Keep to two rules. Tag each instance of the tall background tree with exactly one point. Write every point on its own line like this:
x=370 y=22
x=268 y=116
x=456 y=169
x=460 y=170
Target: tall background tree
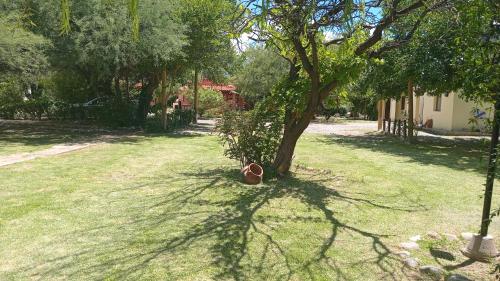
x=209 y=26
x=261 y=69
x=319 y=65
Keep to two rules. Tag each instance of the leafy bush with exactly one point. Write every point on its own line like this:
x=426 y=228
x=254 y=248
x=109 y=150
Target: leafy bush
x=251 y=136
x=211 y=103
x=115 y=112
x=178 y=118
x=34 y=108
x=11 y=99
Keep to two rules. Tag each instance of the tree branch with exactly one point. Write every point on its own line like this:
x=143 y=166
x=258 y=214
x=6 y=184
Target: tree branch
x=386 y=22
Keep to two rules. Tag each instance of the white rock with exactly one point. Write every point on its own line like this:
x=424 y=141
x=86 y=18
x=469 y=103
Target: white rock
x=411 y=262
x=457 y=277
x=403 y=254
x=409 y=246
x=415 y=238
x=433 y=235
x=432 y=271
x=467 y=235
x=451 y=237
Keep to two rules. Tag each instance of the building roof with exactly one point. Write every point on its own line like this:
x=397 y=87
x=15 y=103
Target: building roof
x=207 y=84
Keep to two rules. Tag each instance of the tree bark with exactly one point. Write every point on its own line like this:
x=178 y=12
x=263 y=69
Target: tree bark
x=195 y=106
x=490 y=176
x=164 y=98
x=145 y=98
x=296 y=123
x=117 y=85
x=127 y=86
x=284 y=156
x=411 y=125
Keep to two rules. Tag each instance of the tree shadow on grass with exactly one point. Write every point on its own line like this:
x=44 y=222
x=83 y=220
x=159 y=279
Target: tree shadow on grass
x=228 y=217
x=43 y=133
x=459 y=154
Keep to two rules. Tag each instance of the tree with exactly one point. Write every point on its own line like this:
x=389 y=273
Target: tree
x=209 y=30
x=23 y=59
x=477 y=68
x=261 y=70
x=101 y=43
x=319 y=65
x=22 y=53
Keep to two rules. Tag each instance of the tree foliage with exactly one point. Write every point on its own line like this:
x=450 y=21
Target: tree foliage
x=260 y=71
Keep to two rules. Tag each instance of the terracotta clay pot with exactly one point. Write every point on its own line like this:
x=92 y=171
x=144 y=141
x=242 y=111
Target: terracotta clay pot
x=252 y=174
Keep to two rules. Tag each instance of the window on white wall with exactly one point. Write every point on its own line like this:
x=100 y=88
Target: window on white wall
x=437 y=103
x=403 y=103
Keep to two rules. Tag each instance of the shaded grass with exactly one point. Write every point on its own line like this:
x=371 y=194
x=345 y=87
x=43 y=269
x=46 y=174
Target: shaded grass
x=172 y=207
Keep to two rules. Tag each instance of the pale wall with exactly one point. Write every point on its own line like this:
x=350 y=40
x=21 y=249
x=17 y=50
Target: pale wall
x=442 y=120
x=462 y=113
x=454 y=115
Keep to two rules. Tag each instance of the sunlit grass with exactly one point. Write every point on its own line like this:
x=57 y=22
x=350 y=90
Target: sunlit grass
x=172 y=207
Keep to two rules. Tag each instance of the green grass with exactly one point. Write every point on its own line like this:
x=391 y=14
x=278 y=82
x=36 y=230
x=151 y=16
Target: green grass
x=173 y=208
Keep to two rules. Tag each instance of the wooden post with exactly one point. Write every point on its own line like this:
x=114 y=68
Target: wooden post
x=394 y=126
x=405 y=128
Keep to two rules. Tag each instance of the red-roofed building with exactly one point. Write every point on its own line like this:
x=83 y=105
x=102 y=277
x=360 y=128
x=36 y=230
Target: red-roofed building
x=182 y=102
x=231 y=97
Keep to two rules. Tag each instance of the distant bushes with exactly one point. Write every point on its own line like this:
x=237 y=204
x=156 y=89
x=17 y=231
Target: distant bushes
x=178 y=118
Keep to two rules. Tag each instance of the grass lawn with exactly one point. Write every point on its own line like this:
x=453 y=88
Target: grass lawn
x=173 y=208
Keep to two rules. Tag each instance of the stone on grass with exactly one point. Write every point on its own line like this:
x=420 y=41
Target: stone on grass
x=411 y=262
x=403 y=254
x=415 y=238
x=451 y=237
x=467 y=235
x=433 y=235
x=409 y=246
x=457 y=277
x=432 y=271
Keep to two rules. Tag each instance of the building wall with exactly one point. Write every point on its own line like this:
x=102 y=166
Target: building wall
x=443 y=119
x=463 y=113
x=455 y=113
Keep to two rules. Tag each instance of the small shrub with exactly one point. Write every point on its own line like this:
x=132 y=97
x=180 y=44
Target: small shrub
x=251 y=136
x=11 y=99
x=211 y=103
x=178 y=118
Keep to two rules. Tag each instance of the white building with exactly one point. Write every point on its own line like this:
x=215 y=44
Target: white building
x=446 y=112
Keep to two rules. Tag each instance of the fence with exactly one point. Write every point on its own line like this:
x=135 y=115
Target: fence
x=396 y=127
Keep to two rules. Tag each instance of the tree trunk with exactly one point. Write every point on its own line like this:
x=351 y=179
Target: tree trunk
x=145 y=99
x=490 y=177
x=117 y=85
x=127 y=86
x=284 y=156
x=164 y=98
x=410 y=111
x=195 y=85
x=294 y=127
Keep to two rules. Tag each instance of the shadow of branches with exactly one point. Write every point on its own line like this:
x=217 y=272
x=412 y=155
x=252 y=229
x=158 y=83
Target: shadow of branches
x=236 y=228
x=459 y=154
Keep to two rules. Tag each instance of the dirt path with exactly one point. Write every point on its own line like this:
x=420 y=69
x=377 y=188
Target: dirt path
x=54 y=150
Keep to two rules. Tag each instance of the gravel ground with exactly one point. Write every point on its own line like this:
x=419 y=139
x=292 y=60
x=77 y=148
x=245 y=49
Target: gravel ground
x=345 y=128
x=351 y=128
